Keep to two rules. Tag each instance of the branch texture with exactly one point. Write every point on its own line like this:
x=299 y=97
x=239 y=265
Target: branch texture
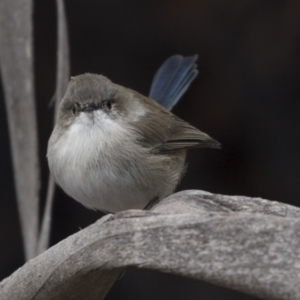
x=16 y=58
x=247 y=244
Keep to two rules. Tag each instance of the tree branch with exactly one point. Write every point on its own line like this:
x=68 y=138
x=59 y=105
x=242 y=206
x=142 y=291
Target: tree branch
x=16 y=56
x=247 y=244
x=62 y=79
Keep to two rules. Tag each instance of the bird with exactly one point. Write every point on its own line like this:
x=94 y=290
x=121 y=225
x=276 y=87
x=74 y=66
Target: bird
x=114 y=149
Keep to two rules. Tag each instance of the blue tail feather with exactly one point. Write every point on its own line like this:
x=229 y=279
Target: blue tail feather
x=173 y=79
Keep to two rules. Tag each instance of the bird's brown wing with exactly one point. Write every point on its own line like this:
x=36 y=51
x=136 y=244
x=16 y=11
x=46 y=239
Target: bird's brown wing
x=162 y=131
x=183 y=136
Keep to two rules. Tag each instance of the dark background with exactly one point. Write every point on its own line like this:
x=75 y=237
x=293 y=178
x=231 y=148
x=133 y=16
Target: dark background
x=246 y=96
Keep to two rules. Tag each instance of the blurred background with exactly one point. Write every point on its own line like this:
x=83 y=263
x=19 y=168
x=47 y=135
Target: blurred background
x=247 y=96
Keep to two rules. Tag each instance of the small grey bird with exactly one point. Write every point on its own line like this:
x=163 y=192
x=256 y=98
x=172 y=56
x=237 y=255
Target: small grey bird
x=114 y=149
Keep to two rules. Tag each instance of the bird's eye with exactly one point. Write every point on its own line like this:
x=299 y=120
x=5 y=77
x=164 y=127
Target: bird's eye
x=75 y=108
x=107 y=104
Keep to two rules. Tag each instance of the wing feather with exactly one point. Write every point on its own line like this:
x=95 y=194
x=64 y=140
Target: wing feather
x=184 y=136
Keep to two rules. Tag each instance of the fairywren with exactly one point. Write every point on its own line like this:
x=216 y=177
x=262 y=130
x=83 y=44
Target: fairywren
x=114 y=149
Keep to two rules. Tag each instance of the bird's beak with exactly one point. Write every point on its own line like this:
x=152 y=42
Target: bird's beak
x=89 y=107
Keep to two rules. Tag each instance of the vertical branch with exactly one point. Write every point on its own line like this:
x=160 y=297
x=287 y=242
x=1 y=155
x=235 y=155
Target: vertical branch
x=16 y=58
x=63 y=56
x=62 y=78
x=16 y=49
x=44 y=236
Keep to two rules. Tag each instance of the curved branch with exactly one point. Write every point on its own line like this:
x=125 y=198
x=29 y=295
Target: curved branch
x=247 y=244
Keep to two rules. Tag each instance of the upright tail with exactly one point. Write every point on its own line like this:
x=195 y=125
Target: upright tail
x=172 y=79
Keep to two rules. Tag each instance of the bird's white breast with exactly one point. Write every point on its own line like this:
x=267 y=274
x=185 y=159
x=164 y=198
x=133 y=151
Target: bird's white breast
x=90 y=162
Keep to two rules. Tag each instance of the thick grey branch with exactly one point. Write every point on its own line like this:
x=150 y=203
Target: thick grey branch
x=17 y=75
x=247 y=244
